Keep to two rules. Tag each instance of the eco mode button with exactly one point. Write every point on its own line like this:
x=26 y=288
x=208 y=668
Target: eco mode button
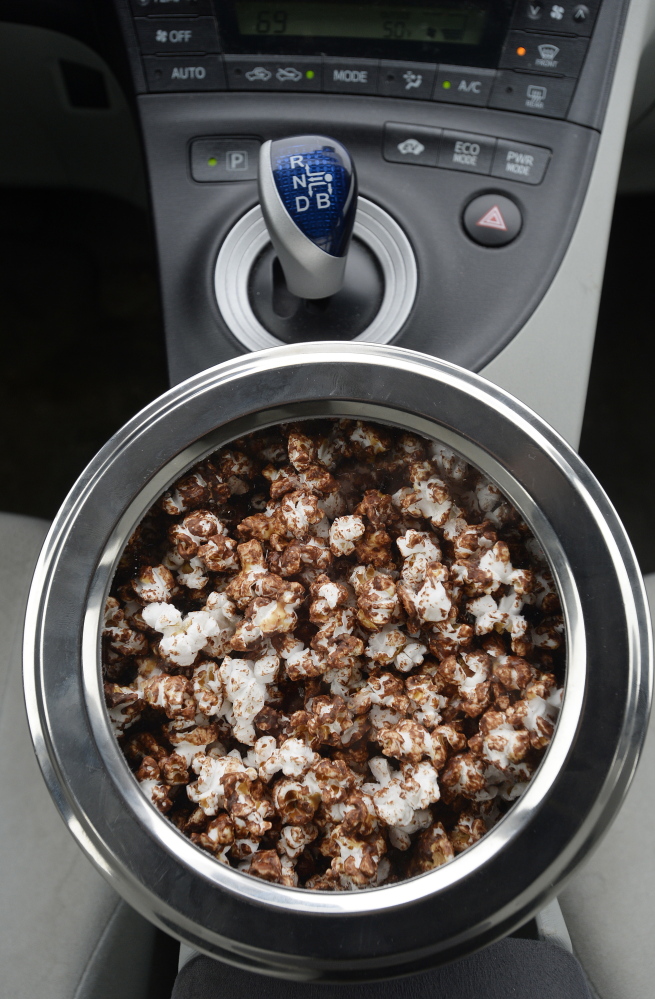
x=464 y=151
x=518 y=161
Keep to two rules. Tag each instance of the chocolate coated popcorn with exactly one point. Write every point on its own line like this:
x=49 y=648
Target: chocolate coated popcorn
x=333 y=655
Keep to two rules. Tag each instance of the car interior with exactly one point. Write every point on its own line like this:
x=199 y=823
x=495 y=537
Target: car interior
x=504 y=152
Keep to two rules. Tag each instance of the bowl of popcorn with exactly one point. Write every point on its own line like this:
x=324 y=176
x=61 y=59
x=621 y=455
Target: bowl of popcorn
x=337 y=661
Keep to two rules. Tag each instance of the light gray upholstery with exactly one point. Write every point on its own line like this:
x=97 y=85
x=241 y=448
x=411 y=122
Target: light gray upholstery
x=609 y=906
x=64 y=933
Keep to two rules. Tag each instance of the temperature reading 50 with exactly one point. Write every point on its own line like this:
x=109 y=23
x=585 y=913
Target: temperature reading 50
x=271 y=22
x=395 y=29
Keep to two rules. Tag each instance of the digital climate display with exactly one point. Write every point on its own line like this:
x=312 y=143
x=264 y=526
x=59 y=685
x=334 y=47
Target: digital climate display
x=451 y=24
x=469 y=32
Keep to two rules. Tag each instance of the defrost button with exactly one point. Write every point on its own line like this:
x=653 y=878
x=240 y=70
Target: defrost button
x=543 y=95
x=544 y=53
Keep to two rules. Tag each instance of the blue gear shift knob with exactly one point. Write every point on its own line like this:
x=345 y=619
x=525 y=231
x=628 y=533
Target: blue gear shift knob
x=308 y=194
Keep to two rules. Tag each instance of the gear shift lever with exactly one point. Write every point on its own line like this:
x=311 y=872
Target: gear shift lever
x=308 y=194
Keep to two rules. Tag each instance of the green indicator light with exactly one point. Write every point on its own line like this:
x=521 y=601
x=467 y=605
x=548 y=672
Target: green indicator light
x=446 y=84
x=212 y=161
x=310 y=74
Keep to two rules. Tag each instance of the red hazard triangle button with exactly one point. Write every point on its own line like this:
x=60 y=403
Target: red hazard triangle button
x=493 y=219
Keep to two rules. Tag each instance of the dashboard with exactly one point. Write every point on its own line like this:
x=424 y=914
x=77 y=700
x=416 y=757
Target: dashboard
x=474 y=127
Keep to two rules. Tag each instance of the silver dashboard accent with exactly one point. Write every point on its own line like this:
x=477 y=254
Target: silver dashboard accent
x=373 y=226
x=527 y=856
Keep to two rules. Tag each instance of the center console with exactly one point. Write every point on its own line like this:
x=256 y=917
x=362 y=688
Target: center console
x=473 y=126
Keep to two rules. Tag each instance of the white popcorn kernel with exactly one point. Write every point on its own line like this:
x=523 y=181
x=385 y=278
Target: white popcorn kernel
x=344 y=532
x=208 y=790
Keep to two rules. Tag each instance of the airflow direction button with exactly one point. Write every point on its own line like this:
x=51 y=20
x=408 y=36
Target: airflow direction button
x=406 y=79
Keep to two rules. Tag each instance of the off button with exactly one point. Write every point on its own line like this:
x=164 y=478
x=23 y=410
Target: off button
x=492 y=220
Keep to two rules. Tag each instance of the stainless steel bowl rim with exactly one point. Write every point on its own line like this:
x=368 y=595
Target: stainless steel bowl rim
x=221 y=910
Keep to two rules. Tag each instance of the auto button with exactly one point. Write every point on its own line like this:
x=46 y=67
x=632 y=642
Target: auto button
x=417 y=144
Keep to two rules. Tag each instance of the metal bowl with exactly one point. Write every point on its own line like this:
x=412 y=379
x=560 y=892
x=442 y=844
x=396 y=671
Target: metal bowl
x=524 y=860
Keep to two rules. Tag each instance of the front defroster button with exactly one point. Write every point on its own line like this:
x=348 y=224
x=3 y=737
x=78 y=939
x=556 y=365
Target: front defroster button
x=465 y=151
x=492 y=220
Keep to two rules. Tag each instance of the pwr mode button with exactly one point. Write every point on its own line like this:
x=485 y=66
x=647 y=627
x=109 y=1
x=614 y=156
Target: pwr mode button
x=518 y=161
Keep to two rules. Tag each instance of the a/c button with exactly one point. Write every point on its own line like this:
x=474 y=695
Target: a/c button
x=460 y=85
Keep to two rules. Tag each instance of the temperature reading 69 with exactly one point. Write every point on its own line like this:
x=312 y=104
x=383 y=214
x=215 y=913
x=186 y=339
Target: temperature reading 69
x=271 y=22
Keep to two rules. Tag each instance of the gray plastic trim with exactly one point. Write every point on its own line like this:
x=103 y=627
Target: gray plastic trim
x=373 y=226
x=547 y=363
